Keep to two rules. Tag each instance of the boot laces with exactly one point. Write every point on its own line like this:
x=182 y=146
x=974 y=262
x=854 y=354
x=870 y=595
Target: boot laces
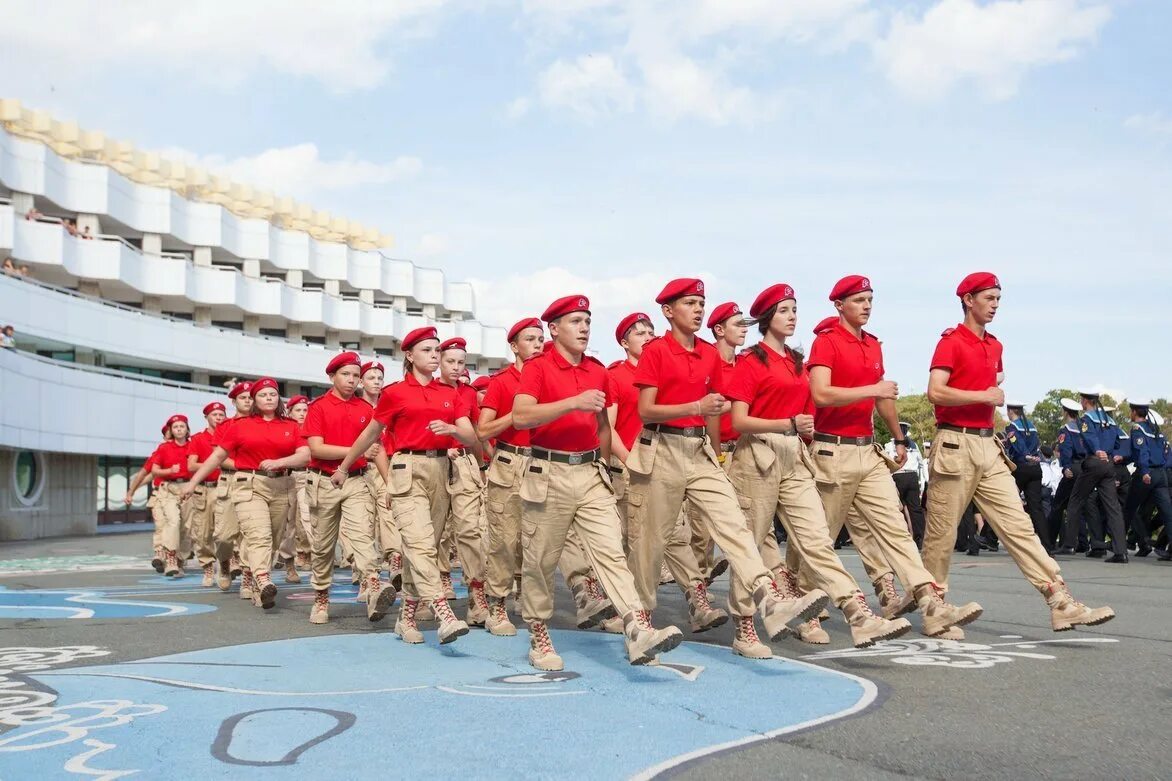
x=643 y=619
x=861 y=599
x=263 y=579
x=208 y=569
x=372 y=583
x=539 y=637
x=746 y=630
x=321 y=599
x=446 y=580
x=787 y=583
x=478 y=596
x=700 y=597
x=443 y=611
x=594 y=589
x=496 y=609
x=887 y=587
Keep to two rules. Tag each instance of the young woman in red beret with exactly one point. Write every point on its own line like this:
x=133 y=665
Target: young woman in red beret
x=387 y=538
x=203 y=501
x=265 y=446
x=294 y=549
x=169 y=465
x=142 y=476
x=772 y=408
x=226 y=529
x=423 y=414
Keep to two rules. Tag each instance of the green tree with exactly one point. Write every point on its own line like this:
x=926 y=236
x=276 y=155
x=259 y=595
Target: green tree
x=920 y=415
x=1047 y=414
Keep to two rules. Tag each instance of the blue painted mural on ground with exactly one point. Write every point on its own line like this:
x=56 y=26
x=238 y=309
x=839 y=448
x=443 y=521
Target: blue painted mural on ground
x=88 y=603
x=346 y=704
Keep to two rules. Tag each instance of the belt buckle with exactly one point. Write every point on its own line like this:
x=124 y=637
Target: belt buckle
x=574 y=459
x=690 y=431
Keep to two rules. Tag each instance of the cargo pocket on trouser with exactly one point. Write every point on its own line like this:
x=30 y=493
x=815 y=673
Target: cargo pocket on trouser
x=642 y=458
x=948 y=458
x=401 y=472
x=636 y=514
x=200 y=499
x=607 y=480
x=826 y=466
x=241 y=491
x=222 y=488
x=535 y=481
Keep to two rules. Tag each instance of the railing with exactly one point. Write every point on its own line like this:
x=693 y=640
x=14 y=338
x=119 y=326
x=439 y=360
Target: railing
x=143 y=378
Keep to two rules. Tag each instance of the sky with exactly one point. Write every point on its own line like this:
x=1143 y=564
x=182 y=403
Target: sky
x=541 y=148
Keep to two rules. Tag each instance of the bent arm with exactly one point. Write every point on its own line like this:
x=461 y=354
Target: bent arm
x=827 y=395
x=653 y=413
x=527 y=413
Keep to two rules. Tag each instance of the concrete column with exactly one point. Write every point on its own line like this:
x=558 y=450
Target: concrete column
x=202 y=315
x=366 y=296
x=21 y=203
x=429 y=311
x=152 y=244
x=333 y=338
x=200 y=377
x=152 y=304
x=366 y=344
x=399 y=303
x=333 y=287
x=89 y=287
x=294 y=331
x=202 y=256
x=251 y=268
x=252 y=324
x=295 y=278
x=85 y=357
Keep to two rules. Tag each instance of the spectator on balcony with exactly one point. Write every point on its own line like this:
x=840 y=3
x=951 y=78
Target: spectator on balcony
x=10 y=267
x=85 y=234
x=8 y=337
x=70 y=226
x=32 y=214
x=23 y=270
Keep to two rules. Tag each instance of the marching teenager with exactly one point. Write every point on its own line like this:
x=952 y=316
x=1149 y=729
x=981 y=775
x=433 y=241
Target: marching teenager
x=773 y=411
x=265 y=446
x=336 y=491
x=565 y=484
x=422 y=414
x=673 y=460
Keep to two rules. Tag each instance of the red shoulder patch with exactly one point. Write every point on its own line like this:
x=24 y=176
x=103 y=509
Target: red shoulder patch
x=948 y=332
x=1061 y=438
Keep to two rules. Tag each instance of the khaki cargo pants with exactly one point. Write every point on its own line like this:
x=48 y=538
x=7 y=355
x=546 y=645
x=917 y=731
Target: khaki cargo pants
x=262 y=508
x=176 y=517
x=503 y=517
x=967 y=468
x=226 y=529
x=466 y=510
x=665 y=470
x=203 y=517
x=348 y=510
x=419 y=497
x=555 y=499
x=677 y=551
x=387 y=537
x=772 y=474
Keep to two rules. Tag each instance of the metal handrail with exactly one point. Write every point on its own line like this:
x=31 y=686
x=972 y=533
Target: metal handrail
x=117 y=373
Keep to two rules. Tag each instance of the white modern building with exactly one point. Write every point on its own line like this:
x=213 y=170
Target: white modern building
x=139 y=287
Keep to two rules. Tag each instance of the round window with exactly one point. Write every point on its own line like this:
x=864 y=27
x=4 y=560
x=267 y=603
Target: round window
x=28 y=474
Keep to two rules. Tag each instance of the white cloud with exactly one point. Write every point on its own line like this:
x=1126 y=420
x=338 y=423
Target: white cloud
x=517 y=108
x=342 y=45
x=593 y=85
x=1154 y=124
x=299 y=171
x=993 y=45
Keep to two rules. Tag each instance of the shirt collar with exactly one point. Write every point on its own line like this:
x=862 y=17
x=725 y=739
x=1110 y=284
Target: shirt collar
x=410 y=380
x=674 y=345
x=560 y=361
x=845 y=332
x=967 y=334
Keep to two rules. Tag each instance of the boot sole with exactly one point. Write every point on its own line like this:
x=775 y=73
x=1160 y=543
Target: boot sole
x=965 y=620
x=294 y=578
x=741 y=653
x=810 y=611
x=663 y=646
x=316 y=620
x=549 y=668
x=498 y=631
x=1096 y=622
x=454 y=636
x=870 y=641
x=382 y=604
x=597 y=618
x=268 y=597
x=157 y=564
x=718 y=621
x=397 y=581
x=718 y=569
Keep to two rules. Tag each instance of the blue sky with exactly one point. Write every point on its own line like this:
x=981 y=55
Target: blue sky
x=541 y=148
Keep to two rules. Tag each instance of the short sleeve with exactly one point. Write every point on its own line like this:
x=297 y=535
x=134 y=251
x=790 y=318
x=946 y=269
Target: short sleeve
x=146 y=465
x=532 y=379
x=650 y=368
x=464 y=405
x=231 y=440
x=822 y=353
x=492 y=396
x=608 y=387
x=945 y=355
x=389 y=403
x=740 y=383
x=315 y=421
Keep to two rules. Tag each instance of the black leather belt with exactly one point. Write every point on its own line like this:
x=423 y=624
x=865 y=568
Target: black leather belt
x=425 y=453
x=227 y=470
x=680 y=431
x=209 y=483
x=837 y=440
x=510 y=448
x=585 y=457
x=978 y=432
x=265 y=472
x=329 y=472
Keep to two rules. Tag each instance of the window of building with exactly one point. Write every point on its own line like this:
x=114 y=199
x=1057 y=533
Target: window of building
x=28 y=477
x=114 y=476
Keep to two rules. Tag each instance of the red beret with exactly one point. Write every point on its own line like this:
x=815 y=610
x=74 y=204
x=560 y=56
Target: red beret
x=678 y=288
x=210 y=408
x=465 y=373
x=826 y=324
x=455 y=343
x=521 y=325
x=722 y=313
x=175 y=419
x=347 y=358
x=848 y=286
x=774 y=294
x=481 y=382
x=563 y=306
x=264 y=382
x=166 y=426
x=976 y=282
x=627 y=323
x=238 y=388
x=371 y=365
x=419 y=335
x=295 y=400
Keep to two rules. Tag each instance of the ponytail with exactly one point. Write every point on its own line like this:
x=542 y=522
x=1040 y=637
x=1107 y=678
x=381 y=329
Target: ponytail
x=762 y=322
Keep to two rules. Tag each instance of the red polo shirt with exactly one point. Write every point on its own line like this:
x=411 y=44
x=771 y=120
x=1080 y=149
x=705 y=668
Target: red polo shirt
x=552 y=378
x=853 y=362
x=337 y=422
x=203 y=445
x=627 y=422
x=681 y=376
x=407 y=407
x=727 y=432
x=146 y=467
x=499 y=397
x=773 y=391
x=973 y=363
x=169 y=454
x=254 y=439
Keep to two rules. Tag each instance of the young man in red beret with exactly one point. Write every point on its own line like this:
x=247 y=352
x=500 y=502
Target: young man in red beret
x=566 y=486
x=203 y=500
x=466 y=489
x=226 y=529
x=852 y=472
x=673 y=460
x=633 y=334
x=968 y=463
x=502 y=501
x=334 y=421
